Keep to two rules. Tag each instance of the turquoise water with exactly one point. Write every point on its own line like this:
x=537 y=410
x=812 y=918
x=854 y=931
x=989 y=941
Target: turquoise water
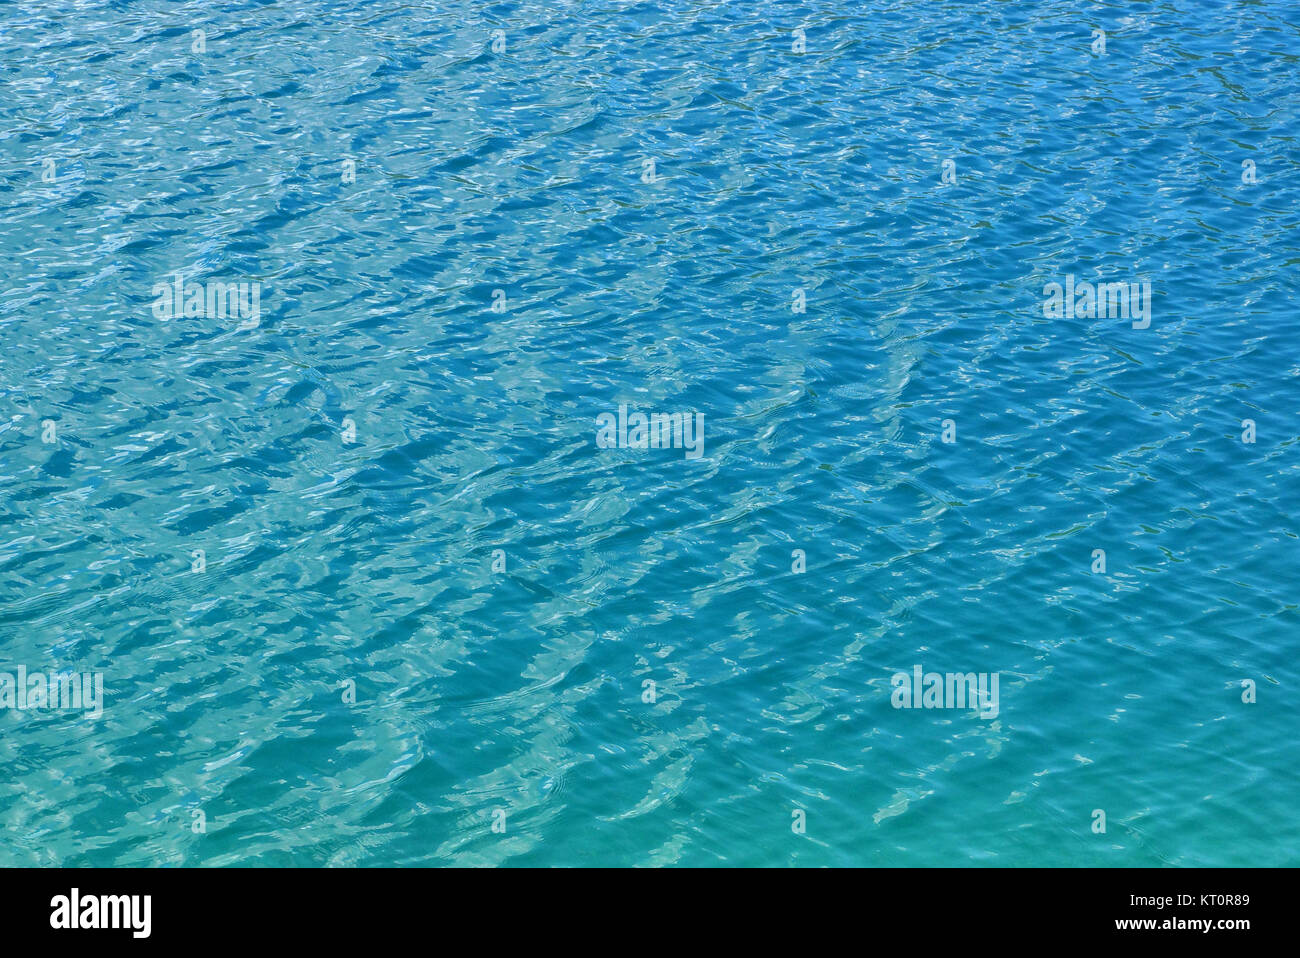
x=648 y=186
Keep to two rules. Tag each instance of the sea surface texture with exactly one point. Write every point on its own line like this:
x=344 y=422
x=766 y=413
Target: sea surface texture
x=377 y=567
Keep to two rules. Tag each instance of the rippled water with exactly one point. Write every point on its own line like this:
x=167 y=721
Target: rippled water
x=648 y=186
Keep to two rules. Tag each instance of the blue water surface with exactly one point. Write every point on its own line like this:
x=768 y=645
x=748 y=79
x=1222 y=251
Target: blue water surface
x=824 y=227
